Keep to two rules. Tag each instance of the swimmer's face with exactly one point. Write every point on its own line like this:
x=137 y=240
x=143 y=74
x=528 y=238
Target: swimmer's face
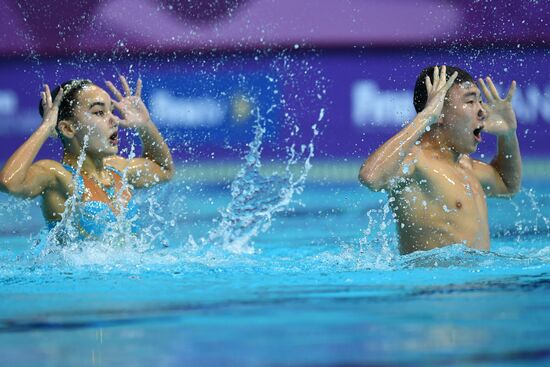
x=93 y=117
x=463 y=117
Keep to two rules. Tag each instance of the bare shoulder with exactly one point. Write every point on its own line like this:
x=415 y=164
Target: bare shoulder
x=468 y=162
x=490 y=179
x=45 y=176
x=414 y=154
x=117 y=162
x=420 y=158
x=49 y=166
x=410 y=162
x=409 y=171
x=480 y=168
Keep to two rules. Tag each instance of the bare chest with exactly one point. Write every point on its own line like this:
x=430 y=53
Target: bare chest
x=442 y=193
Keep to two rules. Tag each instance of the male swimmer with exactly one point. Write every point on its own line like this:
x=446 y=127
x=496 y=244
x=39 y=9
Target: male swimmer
x=436 y=191
x=82 y=115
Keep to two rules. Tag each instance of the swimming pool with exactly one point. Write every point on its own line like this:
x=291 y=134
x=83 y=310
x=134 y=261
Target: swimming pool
x=322 y=286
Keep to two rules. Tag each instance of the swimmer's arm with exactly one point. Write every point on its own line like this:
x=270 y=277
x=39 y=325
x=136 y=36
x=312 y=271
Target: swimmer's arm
x=156 y=164
x=503 y=176
x=153 y=167
x=508 y=164
x=145 y=171
x=397 y=157
x=39 y=178
x=156 y=151
x=19 y=176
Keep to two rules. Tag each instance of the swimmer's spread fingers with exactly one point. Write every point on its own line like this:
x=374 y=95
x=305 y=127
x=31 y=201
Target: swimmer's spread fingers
x=440 y=82
x=50 y=109
x=428 y=83
x=125 y=85
x=493 y=89
x=58 y=98
x=139 y=86
x=433 y=87
x=43 y=100
x=491 y=93
x=501 y=118
x=442 y=76
x=126 y=88
x=48 y=95
x=511 y=91
x=451 y=81
x=114 y=90
x=436 y=77
x=443 y=82
x=485 y=91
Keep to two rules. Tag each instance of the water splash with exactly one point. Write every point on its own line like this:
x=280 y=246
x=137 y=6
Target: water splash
x=541 y=224
x=378 y=245
x=66 y=231
x=255 y=199
x=64 y=242
x=529 y=222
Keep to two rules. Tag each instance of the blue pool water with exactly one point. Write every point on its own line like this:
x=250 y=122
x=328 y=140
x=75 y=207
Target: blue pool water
x=320 y=286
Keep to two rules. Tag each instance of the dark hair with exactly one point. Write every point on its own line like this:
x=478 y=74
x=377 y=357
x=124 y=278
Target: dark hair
x=70 y=90
x=421 y=95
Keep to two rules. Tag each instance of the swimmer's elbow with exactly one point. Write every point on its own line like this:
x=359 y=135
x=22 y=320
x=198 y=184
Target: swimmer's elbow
x=514 y=190
x=369 y=180
x=167 y=174
x=6 y=184
x=169 y=169
x=513 y=187
x=374 y=186
x=14 y=188
x=165 y=171
x=507 y=192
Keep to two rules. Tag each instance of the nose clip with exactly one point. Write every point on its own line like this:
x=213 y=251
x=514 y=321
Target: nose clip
x=482 y=114
x=114 y=120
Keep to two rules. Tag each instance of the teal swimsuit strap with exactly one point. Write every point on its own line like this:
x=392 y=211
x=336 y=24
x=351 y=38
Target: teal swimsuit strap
x=119 y=174
x=88 y=218
x=110 y=168
x=79 y=180
x=113 y=169
x=69 y=168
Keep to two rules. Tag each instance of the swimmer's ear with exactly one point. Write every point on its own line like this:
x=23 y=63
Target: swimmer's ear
x=66 y=129
x=446 y=105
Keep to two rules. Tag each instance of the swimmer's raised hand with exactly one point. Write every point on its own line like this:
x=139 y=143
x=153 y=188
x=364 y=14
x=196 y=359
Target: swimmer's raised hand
x=437 y=89
x=51 y=109
x=133 y=111
x=501 y=119
x=156 y=164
